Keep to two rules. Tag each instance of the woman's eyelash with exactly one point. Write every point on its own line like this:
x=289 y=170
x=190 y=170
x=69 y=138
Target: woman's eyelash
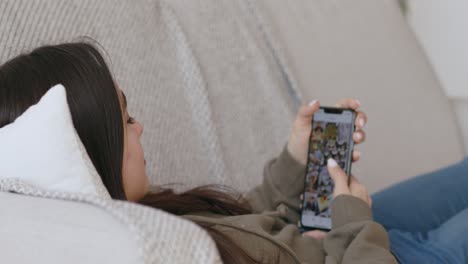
x=131 y=120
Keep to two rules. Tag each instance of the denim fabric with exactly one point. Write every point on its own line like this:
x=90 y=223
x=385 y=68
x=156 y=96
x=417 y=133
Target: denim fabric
x=427 y=216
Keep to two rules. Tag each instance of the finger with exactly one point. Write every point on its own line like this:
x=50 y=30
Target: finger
x=353 y=182
x=359 y=191
x=365 y=195
x=339 y=177
x=309 y=109
x=361 y=120
x=356 y=155
x=359 y=136
x=348 y=103
x=317 y=234
x=305 y=113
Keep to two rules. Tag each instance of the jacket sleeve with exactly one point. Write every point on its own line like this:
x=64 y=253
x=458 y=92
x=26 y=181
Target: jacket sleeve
x=355 y=237
x=283 y=183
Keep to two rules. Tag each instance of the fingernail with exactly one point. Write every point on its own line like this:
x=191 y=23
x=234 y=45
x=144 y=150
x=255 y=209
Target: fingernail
x=332 y=163
x=358 y=136
x=312 y=102
x=361 y=122
x=357 y=101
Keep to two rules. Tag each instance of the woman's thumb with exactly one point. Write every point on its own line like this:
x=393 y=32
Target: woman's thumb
x=339 y=177
x=308 y=110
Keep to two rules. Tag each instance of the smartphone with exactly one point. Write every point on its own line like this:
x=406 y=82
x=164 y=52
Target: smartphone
x=331 y=137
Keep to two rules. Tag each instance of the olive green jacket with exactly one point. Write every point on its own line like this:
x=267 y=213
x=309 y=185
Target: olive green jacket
x=271 y=235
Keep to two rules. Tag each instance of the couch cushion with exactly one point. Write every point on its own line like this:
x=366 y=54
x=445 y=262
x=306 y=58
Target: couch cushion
x=197 y=75
x=79 y=227
x=62 y=232
x=365 y=49
x=217 y=83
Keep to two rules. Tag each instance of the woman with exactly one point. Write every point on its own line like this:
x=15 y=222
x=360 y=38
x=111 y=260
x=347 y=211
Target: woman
x=258 y=227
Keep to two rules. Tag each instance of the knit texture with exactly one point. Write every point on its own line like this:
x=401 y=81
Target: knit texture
x=214 y=90
x=203 y=77
x=215 y=100
x=153 y=229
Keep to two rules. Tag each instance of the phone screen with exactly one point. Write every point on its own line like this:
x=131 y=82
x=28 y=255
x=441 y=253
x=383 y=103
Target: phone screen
x=331 y=137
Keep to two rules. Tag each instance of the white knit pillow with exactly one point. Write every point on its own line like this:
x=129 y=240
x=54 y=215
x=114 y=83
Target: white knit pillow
x=42 y=148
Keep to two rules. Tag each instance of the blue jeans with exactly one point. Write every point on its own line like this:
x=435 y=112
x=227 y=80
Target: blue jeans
x=427 y=217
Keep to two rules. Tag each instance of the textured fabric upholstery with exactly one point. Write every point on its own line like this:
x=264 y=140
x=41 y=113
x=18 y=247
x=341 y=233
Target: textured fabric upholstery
x=217 y=83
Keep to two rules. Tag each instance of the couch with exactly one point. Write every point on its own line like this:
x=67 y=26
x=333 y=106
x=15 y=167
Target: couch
x=217 y=84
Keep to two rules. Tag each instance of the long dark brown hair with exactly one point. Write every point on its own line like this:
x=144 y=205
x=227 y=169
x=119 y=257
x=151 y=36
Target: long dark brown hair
x=97 y=117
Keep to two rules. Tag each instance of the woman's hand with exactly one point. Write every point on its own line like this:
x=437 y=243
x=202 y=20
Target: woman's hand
x=298 y=143
x=340 y=179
